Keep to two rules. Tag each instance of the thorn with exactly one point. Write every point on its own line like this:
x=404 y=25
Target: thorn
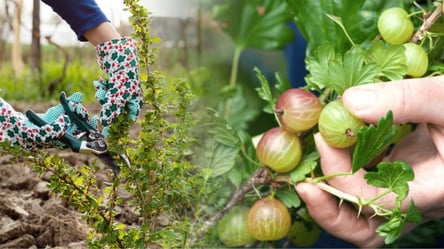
x=359 y=210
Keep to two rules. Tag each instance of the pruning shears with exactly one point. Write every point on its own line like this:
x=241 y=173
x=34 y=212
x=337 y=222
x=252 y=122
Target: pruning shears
x=89 y=140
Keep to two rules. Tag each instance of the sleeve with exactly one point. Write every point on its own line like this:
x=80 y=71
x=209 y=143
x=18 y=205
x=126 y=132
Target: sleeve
x=81 y=15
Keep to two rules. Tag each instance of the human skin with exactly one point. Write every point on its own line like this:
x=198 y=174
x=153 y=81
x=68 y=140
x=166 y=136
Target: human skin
x=101 y=33
x=413 y=100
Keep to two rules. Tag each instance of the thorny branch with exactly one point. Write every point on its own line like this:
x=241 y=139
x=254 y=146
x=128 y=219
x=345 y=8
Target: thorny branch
x=428 y=23
x=260 y=177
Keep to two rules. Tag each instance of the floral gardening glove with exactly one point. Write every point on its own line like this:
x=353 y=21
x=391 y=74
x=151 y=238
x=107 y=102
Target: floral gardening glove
x=121 y=92
x=17 y=129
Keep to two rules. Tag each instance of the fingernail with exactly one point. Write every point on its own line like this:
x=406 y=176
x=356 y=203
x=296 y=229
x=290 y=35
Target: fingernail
x=319 y=141
x=301 y=189
x=359 y=100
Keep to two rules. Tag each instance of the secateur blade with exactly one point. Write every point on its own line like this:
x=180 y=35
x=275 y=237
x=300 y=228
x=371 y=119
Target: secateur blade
x=109 y=161
x=95 y=142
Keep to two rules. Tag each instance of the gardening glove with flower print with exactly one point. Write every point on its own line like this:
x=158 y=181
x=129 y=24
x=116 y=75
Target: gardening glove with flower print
x=19 y=131
x=121 y=92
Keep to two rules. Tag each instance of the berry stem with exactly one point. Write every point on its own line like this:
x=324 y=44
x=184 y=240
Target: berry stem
x=378 y=210
x=428 y=23
x=336 y=192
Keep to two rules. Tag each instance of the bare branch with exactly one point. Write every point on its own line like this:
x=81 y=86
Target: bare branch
x=428 y=23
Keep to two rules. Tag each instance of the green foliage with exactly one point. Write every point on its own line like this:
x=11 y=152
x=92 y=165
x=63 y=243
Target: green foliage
x=389 y=59
x=342 y=53
x=255 y=24
x=393 y=176
x=357 y=16
x=372 y=141
x=330 y=69
x=160 y=181
x=31 y=86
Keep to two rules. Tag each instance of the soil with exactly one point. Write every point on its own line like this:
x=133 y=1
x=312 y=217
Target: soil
x=30 y=215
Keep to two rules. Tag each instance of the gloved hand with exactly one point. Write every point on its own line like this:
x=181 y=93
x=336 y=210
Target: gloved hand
x=17 y=129
x=121 y=92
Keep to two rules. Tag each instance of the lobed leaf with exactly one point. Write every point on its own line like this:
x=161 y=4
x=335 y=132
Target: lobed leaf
x=256 y=24
x=264 y=92
x=330 y=70
x=288 y=197
x=393 y=176
x=307 y=165
x=372 y=141
x=390 y=59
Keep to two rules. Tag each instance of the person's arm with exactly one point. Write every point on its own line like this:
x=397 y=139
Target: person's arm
x=18 y=130
x=121 y=93
x=86 y=19
x=102 y=33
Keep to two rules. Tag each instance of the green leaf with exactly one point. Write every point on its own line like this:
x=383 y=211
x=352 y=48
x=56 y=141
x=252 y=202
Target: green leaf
x=317 y=64
x=235 y=176
x=372 y=141
x=393 y=176
x=354 y=71
x=244 y=108
x=288 y=197
x=257 y=24
x=328 y=69
x=392 y=229
x=357 y=16
x=306 y=166
x=281 y=85
x=221 y=131
x=264 y=92
x=413 y=214
x=389 y=58
x=218 y=157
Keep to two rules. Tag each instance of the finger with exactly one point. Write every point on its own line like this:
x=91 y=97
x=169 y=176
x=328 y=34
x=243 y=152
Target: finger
x=418 y=146
x=342 y=220
x=334 y=161
x=75 y=97
x=111 y=111
x=437 y=136
x=413 y=100
x=101 y=96
x=133 y=110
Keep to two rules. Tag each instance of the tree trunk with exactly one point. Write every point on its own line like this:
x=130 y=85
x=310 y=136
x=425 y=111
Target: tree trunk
x=17 y=61
x=36 y=56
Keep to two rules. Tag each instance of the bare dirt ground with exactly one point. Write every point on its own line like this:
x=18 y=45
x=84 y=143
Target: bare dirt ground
x=30 y=215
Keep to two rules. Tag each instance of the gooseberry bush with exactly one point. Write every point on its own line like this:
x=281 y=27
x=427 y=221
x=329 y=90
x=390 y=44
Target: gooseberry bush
x=403 y=42
x=160 y=184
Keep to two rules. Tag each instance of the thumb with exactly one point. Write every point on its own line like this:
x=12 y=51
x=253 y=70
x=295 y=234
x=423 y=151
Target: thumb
x=341 y=221
x=414 y=100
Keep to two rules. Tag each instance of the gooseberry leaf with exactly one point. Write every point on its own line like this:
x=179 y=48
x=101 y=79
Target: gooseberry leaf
x=318 y=63
x=307 y=165
x=331 y=70
x=265 y=93
x=218 y=157
x=413 y=214
x=390 y=59
x=392 y=229
x=393 y=176
x=260 y=24
x=288 y=197
x=313 y=19
x=372 y=141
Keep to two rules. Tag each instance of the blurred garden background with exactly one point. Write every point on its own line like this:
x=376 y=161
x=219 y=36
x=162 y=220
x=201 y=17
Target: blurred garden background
x=197 y=43
x=40 y=55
